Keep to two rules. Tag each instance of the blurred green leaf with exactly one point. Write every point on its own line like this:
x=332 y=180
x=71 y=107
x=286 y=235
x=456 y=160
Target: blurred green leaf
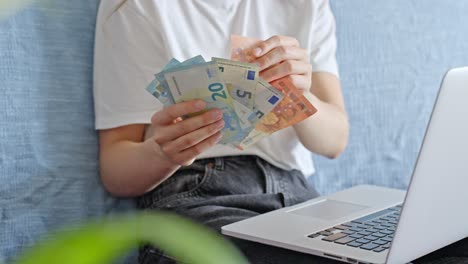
x=104 y=241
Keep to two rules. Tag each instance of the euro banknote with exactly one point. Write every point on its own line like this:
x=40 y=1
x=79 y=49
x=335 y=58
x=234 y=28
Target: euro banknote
x=266 y=98
x=252 y=108
x=204 y=81
x=157 y=90
x=293 y=109
x=241 y=79
x=162 y=88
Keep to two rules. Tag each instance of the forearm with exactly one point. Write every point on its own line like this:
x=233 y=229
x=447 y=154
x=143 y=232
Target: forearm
x=132 y=168
x=325 y=133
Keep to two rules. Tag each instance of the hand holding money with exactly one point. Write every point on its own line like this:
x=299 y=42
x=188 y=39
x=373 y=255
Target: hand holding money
x=287 y=68
x=182 y=140
x=251 y=108
x=278 y=57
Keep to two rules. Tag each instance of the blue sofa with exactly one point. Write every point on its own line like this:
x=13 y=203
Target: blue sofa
x=392 y=56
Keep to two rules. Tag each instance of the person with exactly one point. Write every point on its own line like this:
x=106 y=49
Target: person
x=175 y=164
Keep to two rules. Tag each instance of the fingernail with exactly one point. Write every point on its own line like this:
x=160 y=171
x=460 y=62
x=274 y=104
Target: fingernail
x=200 y=105
x=257 y=51
x=217 y=114
x=220 y=124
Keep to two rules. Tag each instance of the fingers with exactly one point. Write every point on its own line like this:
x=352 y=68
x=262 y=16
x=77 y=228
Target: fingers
x=273 y=42
x=192 y=139
x=282 y=56
x=188 y=156
x=171 y=132
x=191 y=153
x=301 y=82
x=285 y=68
x=182 y=140
x=282 y=53
x=173 y=112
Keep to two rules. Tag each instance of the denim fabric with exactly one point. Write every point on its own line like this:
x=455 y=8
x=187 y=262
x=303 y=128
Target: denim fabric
x=220 y=191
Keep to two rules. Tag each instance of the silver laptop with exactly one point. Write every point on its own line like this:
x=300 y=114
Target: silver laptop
x=369 y=224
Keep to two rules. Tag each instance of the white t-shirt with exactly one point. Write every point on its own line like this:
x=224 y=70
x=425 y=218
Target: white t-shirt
x=136 y=38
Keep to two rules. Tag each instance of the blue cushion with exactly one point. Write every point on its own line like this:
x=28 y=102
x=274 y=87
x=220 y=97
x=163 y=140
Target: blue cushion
x=392 y=57
x=48 y=145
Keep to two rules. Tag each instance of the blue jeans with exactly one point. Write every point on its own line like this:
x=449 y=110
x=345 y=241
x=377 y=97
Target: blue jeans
x=219 y=191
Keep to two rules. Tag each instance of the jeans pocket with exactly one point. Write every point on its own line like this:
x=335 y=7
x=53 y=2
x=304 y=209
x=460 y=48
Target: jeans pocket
x=185 y=183
x=311 y=191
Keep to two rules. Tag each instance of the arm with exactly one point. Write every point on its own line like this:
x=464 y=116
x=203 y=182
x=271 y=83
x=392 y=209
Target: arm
x=128 y=165
x=326 y=132
x=131 y=166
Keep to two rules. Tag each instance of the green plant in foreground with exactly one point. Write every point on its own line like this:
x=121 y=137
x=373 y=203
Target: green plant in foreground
x=101 y=242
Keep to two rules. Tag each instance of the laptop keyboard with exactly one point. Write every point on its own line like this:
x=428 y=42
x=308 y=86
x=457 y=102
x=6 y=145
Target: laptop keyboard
x=372 y=232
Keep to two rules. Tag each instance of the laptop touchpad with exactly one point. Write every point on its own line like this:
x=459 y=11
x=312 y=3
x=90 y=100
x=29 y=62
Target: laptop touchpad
x=328 y=209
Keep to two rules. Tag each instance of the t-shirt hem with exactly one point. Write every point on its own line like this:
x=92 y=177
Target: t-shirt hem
x=332 y=70
x=123 y=120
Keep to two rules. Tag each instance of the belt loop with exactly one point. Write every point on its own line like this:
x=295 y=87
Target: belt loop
x=219 y=164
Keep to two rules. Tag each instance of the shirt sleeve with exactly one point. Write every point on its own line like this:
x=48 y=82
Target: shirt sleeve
x=323 y=36
x=128 y=51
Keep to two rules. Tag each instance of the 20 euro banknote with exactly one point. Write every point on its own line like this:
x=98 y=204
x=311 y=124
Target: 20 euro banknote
x=203 y=81
x=241 y=79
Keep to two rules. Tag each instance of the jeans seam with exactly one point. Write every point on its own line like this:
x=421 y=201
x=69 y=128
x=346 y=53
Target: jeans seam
x=284 y=191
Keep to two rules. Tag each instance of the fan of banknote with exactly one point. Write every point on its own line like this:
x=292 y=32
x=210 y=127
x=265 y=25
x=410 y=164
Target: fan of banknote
x=252 y=108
